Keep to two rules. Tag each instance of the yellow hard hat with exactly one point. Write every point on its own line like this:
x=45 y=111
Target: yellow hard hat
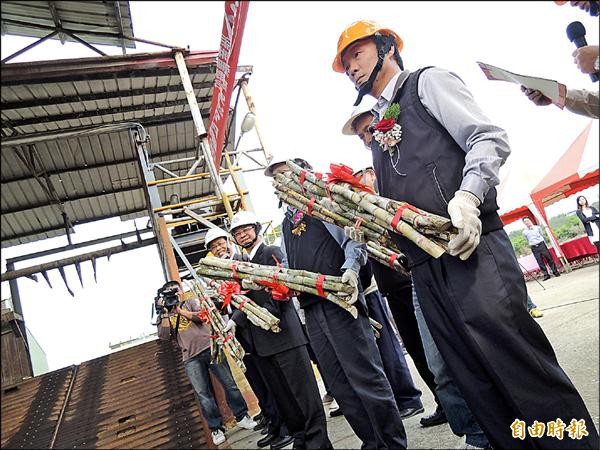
x=356 y=31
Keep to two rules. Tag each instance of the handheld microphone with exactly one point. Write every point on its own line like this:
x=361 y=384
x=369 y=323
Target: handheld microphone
x=576 y=34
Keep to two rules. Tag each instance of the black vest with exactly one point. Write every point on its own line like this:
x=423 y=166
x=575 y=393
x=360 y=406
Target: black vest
x=432 y=163
x=314 y=249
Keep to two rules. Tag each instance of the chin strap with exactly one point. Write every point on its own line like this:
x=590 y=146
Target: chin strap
x=384 y=44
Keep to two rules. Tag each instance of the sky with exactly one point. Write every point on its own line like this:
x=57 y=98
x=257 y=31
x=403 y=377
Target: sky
x=301 y=106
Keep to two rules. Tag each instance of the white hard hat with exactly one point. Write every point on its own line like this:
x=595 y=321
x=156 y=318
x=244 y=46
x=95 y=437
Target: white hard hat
x=242 y=218
x=365 y=106
x=214 y=233
x=300 y=161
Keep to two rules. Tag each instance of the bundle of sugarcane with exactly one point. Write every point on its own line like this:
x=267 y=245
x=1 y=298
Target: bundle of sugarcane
x=340 y=203
x=230 y=292
x=275 y=277
x=220 y=339
x=379 y=246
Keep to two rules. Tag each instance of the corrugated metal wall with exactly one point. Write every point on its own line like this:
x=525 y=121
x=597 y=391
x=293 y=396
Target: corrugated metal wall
x=15 y=359
x=136 y=398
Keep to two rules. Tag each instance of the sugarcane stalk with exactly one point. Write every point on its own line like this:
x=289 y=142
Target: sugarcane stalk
x=420 y=219
x=331 y=282
x=258 y=315
x=228 y=274
x=331 y=297
x=216 y=324
x=225 y=274
x=360 y=199
x=269 y=321
x=321 y=207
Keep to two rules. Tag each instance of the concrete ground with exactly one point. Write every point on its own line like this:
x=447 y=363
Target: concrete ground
x=570 y=307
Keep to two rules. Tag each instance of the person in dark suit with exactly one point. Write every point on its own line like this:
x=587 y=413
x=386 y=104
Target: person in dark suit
x=344 y=346
x=435 y=148
x=588 y=216
x=218 y=243
x=282 y=356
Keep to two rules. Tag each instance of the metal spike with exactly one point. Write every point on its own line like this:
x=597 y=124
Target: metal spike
x=33 y=277
x=64 y=277
x=78 y=269
x=137 y=232
x=94 y=267
x=47 y=278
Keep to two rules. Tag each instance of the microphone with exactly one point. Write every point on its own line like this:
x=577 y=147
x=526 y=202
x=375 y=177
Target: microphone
x=576 y=34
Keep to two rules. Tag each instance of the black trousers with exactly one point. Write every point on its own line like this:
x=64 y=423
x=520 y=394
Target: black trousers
x=403 y=312
x=350 y=362
x=296 y=394
x=496 y=352
x=543 y=257
x=259 y=385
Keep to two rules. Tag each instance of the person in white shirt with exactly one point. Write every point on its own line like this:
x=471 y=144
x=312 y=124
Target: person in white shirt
x=535 y=238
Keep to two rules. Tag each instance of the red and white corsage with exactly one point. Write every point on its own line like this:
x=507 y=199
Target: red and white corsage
x=388 y=132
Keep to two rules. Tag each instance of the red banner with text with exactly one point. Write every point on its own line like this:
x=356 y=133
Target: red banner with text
x=229 y=52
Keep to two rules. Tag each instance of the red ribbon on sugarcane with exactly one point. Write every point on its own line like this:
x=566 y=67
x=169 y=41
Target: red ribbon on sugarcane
x=234 y=270
x=278 y=291
x=203 y=315
x=393 y=259
x=398 y=215
x=302 y=179
x=227 y=289
x=320 y=281
x=310 y=206
x=342 y=173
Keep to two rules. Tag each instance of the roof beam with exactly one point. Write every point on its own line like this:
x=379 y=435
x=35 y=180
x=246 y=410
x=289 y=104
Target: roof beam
x=120 y=23
x=75 y=198
x=68 y=170
x=66 y=248
x=32 y=79
x=38 y=268
x=78 y=222
x=6 y=106
x=100 y=112
x=56 y=20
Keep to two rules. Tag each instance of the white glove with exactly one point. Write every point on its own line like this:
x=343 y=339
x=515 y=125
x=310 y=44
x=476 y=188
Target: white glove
x=351 y=277
x=355 y=234
x=465 y=217
x=249 y=284
x=230 y=326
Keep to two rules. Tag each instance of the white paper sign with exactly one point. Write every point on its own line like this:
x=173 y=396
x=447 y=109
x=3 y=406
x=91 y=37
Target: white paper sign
x=552 y=89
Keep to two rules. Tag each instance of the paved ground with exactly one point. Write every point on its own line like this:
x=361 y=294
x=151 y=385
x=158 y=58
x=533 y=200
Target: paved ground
x=570 y=307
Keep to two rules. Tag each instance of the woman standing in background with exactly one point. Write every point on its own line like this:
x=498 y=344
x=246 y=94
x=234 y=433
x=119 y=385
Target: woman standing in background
x=588 y=215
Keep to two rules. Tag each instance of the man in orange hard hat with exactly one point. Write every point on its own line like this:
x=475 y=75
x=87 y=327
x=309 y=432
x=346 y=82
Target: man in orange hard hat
x=434 y=148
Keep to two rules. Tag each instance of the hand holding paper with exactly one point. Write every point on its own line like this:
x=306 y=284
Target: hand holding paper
x=550 y=89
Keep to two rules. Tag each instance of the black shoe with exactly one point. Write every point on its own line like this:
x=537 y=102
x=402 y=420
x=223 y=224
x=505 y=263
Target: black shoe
x=557 y=274
x=546 y=277
x=409 y=412
x=257 y=418
x=281 y=442
x=265 y=430
x=267 y=440
x=437 y=418
x=261 y=423
x=336 y=413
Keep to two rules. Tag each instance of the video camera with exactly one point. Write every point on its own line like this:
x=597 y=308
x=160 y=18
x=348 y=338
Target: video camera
x=166 y=299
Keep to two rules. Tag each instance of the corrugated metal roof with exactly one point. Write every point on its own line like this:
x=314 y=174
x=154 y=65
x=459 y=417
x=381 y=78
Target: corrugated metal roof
x=96 y=22
x=139 y=397
x=93 y=176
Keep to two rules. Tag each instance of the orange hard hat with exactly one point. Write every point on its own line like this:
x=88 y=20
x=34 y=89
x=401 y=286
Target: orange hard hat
x=560 y=2
x=356 y=31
